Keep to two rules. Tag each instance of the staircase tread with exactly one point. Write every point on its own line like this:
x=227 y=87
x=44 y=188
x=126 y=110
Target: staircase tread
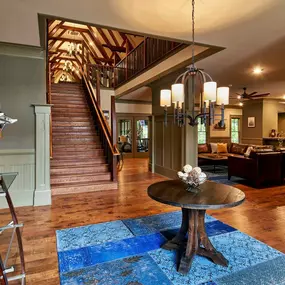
x=80 y=175
x=98 y=182
x=80 y=166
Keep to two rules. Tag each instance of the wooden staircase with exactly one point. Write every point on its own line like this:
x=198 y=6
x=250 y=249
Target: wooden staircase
x=78 y=163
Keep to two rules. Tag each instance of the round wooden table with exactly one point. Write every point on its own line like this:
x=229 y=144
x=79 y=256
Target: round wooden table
x=194 y=205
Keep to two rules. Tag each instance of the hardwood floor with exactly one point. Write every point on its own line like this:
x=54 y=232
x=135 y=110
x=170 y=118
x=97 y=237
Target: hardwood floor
x=261 y=216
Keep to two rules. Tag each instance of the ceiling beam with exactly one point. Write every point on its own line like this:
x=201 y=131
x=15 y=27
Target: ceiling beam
x=90 y=49
x=55 y=29
x=114 y=38
x=65 y=39
x=97 y=58
x=124 y=37
x=54 y=41
x=115 y=48
x=98 y=44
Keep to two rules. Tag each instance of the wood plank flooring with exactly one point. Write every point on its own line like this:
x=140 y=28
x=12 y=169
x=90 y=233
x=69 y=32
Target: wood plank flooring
x=261 y=216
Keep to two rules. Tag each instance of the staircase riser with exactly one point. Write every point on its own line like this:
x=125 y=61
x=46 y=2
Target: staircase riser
x=76 y=147
x=64 y=155
x=72 y=124
x=68 y=97
x=72 y=134
x=89 y=188
x=56 y=109
x=86 y=178
x=78 y=170
x=79 y=161
x=73 y=129
x=70 y=119
x=71 y=106
x=73 y=96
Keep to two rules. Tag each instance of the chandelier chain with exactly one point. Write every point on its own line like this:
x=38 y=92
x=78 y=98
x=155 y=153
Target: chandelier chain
x=193 y=32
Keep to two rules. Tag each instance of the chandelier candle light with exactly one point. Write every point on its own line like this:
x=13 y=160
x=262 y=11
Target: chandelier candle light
x=183 y=93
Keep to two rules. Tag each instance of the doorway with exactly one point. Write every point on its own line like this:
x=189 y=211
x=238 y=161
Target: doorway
x=133 y=135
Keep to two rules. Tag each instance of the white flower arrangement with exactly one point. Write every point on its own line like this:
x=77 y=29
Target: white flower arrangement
x=192 y=176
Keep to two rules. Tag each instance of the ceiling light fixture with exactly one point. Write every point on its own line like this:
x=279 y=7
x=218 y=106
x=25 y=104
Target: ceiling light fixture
x=283 y=96
x=240 y=104
x=182 y=93
x=257 y=70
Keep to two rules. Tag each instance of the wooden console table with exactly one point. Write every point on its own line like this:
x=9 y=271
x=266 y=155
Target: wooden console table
x=6 y=180
x=194 y=205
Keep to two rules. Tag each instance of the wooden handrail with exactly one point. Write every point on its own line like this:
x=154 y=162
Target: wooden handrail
x=133 y=50
x=101 y=118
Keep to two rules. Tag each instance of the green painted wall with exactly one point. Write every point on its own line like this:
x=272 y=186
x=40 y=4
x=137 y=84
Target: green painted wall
x=22 y=83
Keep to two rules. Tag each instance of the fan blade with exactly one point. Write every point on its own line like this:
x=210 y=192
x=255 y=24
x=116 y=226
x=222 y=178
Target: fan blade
x=260 y=95
x=252 y=93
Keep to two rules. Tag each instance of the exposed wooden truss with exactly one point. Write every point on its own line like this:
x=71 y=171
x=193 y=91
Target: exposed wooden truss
x=98 y=45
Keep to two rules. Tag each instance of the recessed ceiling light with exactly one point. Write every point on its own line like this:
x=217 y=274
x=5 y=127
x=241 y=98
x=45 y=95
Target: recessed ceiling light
x=257 y=70
x=91 y=43
x=283 y=96
x=239 y=97
x=240 y=103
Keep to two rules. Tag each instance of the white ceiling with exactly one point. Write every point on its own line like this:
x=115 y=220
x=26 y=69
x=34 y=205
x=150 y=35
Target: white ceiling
x=252 y=31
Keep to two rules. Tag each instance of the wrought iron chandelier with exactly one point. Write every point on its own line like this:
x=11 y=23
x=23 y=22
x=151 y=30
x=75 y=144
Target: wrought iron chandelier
x=73 y=48
x=68 y=66
x=182 y=92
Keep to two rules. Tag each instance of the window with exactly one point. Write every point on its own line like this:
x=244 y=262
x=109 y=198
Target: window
x=201 y=132
x=235 y=130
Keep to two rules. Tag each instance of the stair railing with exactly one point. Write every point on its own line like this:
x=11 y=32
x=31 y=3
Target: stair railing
x=107 y=134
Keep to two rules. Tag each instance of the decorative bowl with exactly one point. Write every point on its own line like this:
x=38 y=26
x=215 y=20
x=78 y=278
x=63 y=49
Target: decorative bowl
x=192 y=177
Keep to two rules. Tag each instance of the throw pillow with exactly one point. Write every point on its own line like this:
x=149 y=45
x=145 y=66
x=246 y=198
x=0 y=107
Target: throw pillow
x=214 y=147
x=248 y=151
x=238 y=148
x=222 y=148
x=203 y=148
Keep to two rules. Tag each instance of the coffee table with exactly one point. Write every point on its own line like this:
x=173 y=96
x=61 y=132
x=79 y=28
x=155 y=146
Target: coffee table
x=214 y=159
x=194 y=205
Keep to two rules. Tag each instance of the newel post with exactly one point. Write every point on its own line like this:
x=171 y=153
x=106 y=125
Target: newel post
x=114 y=136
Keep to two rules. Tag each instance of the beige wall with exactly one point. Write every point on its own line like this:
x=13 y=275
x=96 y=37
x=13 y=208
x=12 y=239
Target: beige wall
x=22 y=83
x=270 y=117
x=252 y=108
x=214 y=133
x=133 y=108
x=122 y=107
x=281 y=122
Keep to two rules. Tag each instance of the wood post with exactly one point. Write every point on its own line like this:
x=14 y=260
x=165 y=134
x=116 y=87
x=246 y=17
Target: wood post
x=114 y=136
x=98 y=88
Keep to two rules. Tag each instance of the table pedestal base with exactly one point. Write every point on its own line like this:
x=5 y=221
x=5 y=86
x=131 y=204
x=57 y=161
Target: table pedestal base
x=193 y=222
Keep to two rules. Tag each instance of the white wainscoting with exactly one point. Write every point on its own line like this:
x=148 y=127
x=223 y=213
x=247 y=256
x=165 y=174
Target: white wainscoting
x=23 y=188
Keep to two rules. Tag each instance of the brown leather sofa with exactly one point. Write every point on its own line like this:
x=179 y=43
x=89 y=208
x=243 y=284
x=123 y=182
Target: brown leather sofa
x=260 y=169
x=234 y=149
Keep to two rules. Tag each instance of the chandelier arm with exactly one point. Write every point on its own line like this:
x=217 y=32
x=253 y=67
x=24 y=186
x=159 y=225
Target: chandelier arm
x=205 y=74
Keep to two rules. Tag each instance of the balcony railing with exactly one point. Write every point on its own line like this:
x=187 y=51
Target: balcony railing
x=145 y=55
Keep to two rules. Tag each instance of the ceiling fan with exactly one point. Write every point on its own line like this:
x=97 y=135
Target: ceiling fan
x=250 y=96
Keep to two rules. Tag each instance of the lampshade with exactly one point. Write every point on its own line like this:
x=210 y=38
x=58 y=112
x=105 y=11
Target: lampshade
x=207 y=103
x=223 y=95
x=210 y=91
x=165 y=98
x=177 y=92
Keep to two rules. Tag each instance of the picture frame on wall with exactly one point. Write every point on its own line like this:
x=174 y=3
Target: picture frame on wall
x=251 y=122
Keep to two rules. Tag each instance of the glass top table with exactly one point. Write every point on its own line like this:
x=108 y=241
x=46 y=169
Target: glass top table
x=6 y=271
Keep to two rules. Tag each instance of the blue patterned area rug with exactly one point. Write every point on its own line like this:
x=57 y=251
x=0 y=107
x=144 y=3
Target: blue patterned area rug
x=127 y=252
